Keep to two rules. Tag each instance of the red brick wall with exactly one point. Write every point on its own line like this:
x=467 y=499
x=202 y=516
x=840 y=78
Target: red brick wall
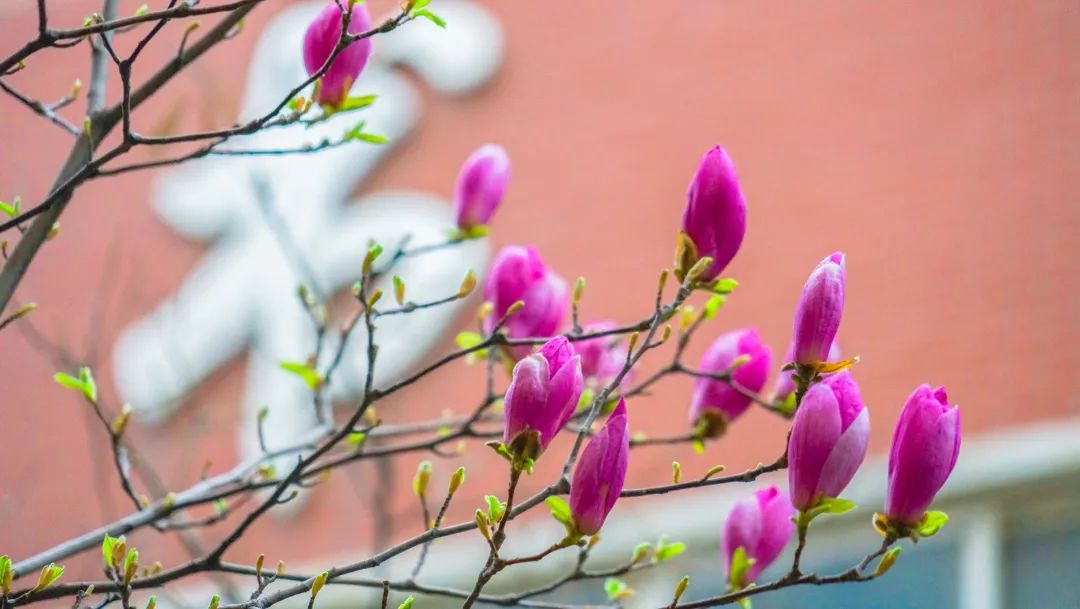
x=936 y=144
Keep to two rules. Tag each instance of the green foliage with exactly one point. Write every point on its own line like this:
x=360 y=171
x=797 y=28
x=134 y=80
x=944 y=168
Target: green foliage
x=827 y=505
x=617 y=589
x=887 y=561
x=48 y=576
x=931 y=523
x=430 y=16
x=667 y=551
x=740 y=564
x=723 y=286
x=495 y=508
x=407 y=603
x=640 y=552
x=560 y=510
x=311 y=378
x=713 y=305
x=12 y=209
x=7 y=574
x=356 y=439
x=357 y=133
x=356 y=102
x=84 y=383
x=112 y=548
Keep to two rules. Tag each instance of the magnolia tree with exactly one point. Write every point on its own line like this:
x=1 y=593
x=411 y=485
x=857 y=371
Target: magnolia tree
x=564 y=377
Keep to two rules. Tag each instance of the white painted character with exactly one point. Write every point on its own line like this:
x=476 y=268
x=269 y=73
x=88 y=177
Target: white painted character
x=242 y=297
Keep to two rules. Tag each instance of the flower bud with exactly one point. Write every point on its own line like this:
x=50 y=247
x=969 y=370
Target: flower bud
x=817 y=317
x=716 y=403
x=760 y=524
x=480 y=186
x=828 y=441
x=518 y=274
x=785 y=385
x=925 y=446
x=321 y=39
x=602 y=358
x=600 y=473
x=542 y=396
x=714 y=221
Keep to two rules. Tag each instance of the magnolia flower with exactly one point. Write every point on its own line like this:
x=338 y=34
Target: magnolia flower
x=600 y=473
x=714 y=221
x=321 y=39
x=480 y=186
x=817 y=317
x=925 y=446
x=828 y=441
x=542 y=396
x=717 y=401
x=761 y=526
x=518 y=273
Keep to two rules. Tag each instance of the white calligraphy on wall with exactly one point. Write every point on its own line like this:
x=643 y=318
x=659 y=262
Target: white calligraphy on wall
x=241 y=299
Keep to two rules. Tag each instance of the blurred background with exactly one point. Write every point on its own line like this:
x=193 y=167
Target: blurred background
x=936 y=144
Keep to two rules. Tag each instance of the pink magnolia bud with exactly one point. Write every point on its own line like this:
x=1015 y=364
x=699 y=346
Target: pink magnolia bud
x=543 y=394
x=760 y=524
x=925 y=446
x=602 y=358
x=518 y=273
x=817 y=317
x=718 y=400
x=600 y=473
x=828 y=441
x=480 y=186
x=715 y=215
x=321 y=39
x=785 y=385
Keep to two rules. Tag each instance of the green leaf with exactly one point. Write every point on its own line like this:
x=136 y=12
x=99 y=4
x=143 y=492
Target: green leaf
x=84 y=384
x=670 y=551
x=616 y=589
x=356 y=439
x=355 y=103
x=68 y=381
x=501 y=450
x=420 y=4
x=713 y=305
x=372 y=138
x=430 y=16
x=586 y=399
x=836 y=505
x=310 y=377
x=725 y=285
x=407 y=604
x=931 y=523
x=640 y=552
x=887 y=561
x=560 y=510
x=788 y=406
x=667 y=551
x=89 y=386
x=495 y=508
x=108 y=549
x=220 y=506
x=468 y=340
x=740 y=564
x=12 y=209
x=5 y=573
x=48 y=576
